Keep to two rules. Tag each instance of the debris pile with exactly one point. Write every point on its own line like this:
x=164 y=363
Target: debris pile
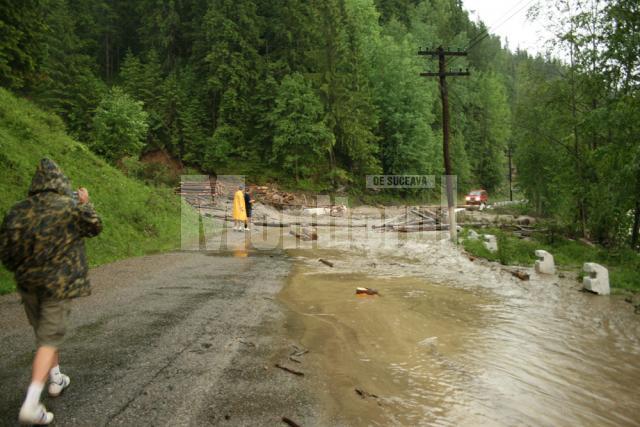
x=272 y=196
x=199 y=194
x=416 y=219
x=304 y=233
x=366 y=291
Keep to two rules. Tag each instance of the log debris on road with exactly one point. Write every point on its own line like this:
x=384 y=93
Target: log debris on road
x=292 y=371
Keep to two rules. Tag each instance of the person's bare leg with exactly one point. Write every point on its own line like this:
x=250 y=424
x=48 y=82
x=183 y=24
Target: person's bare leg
x=43 y=362
x=54 y=372
x=56 y=359
x=32 y=412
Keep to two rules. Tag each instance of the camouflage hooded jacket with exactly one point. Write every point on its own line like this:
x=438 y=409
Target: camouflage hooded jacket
x=41 y=238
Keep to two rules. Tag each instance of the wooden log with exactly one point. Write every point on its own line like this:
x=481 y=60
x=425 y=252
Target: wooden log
x=291 y=371
x=325 y=262
x=520 y=275
x=366 y=291
x=290 y=422
x=420 y=214
x=364 y=394
x=413 y=228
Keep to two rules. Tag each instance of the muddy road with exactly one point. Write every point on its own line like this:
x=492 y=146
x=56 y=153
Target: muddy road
x=192 y=338
x=174 y=339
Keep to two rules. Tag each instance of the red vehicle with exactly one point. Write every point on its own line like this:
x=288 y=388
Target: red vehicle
x=477 y=197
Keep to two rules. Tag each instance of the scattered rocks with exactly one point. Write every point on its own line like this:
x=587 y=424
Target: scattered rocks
x=473 y=235
x=304 y=233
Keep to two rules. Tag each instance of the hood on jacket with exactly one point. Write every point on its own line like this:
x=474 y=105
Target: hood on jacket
x=49 y=177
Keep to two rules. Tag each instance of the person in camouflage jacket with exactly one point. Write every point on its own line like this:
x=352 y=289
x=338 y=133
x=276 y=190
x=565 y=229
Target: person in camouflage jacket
x=42 y=243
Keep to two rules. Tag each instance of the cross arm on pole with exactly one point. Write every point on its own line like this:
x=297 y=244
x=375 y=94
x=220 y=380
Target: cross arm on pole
x=443 y=52
x=450 y=73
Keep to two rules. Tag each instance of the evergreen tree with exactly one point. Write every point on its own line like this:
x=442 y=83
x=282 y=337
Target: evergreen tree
x=488 y=131
x=21 y=29
x=120 y=126
x=301 y=140
x=231 y=35
x=68 y=85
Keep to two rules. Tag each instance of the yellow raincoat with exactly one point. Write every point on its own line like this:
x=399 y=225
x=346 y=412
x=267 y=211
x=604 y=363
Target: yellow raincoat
x=239 y=210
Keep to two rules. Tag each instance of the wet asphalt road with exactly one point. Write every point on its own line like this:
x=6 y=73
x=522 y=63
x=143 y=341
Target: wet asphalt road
x=173 y=339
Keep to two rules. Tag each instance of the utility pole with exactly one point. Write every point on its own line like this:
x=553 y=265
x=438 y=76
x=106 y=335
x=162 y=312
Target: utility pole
x=441 y=53
x=509 y=153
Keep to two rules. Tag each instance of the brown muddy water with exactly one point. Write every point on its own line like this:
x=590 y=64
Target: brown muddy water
x=451 y=342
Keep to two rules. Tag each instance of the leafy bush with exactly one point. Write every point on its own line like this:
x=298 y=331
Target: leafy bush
x=120 y=126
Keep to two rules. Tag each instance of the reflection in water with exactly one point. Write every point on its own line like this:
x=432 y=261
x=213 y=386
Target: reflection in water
x=240 y=253
x=453 y=343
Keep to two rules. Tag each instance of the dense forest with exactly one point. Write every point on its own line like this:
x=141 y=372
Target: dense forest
x=319 y=93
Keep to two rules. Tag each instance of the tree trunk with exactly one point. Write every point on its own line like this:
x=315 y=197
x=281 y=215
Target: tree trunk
x=636 y=225
x=635 y=232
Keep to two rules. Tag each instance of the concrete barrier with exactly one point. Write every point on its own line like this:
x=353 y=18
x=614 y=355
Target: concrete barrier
x=597 y=278
x=490 y=242
x=545 y=263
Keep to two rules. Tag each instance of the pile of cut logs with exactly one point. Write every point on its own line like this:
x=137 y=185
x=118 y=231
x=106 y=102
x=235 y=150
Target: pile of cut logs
x=271 y=196
x=198 y=193
x=416 y=219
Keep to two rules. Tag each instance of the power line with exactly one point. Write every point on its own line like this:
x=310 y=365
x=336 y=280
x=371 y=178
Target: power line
x=500 y=24
x=480 y=34
x=476 y=40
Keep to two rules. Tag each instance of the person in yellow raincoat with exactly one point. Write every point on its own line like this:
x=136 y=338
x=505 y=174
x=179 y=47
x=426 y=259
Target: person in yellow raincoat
x=239 y=210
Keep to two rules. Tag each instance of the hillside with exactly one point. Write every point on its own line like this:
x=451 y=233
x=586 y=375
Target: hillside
x=138 y=219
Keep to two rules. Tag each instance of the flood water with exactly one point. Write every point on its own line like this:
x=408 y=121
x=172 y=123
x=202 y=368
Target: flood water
x=451 y=342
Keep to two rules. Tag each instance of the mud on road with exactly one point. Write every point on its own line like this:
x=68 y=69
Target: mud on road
x=177 y=339
x=192 y=338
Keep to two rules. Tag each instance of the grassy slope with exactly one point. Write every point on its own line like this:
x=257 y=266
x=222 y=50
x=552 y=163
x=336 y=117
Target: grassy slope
x=138 y=219
x=623 y=264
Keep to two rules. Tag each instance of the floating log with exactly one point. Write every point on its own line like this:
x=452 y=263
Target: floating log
x=364 y=394
x=325 y=262
x=520 y=275
x=366 y=291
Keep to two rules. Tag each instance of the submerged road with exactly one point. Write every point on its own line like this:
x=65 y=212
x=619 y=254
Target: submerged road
x=174 y=339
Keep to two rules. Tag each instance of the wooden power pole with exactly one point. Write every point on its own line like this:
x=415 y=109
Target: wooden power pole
x=441 y=53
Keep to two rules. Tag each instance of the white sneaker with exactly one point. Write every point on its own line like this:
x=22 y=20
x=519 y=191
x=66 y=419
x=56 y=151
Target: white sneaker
x=35 y=416
x=56 y=388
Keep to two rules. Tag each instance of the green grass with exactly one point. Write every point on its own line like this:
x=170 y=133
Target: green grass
x=137 y=219
x=623 y=264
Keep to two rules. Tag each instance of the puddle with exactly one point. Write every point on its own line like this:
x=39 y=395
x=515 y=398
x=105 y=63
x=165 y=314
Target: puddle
x=452 y=343
x=405 y=346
